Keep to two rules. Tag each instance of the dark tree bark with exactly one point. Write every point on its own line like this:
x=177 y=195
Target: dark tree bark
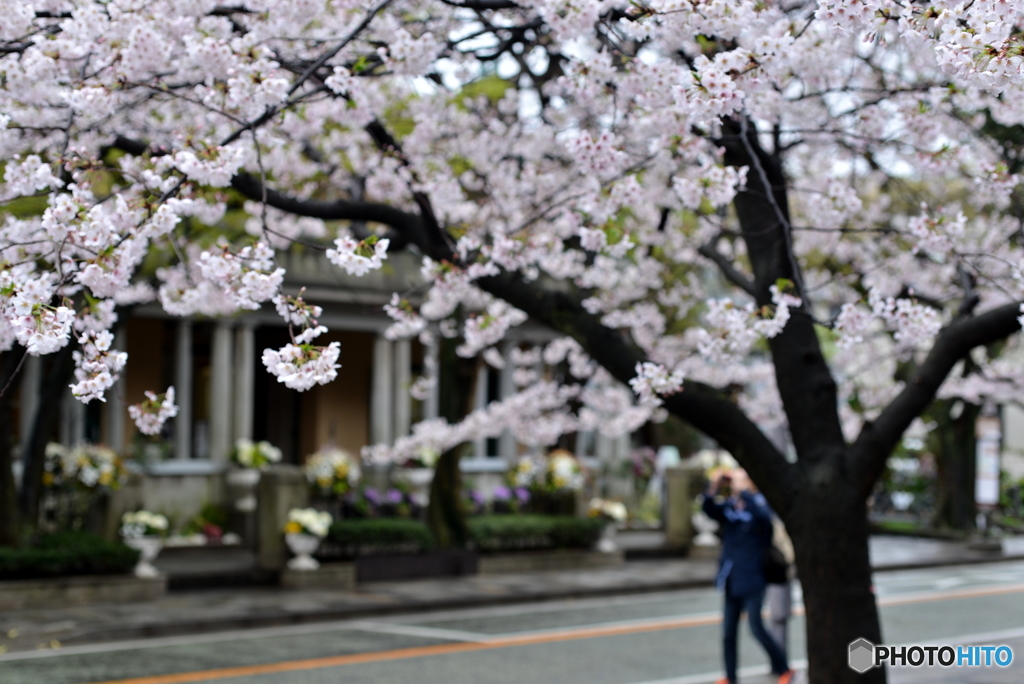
x=829 y=529
x=9 y=531
x=954 y=445
x=54 y=384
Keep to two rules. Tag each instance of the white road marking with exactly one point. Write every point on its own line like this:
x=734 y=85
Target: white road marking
x=547 y=607
x=413 y=630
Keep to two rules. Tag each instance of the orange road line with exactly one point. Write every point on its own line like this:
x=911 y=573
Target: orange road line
x=419 y=651
x=512 y=640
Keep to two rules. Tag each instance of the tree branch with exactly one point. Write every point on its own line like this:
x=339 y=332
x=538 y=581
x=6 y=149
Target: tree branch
x=408 y=224
x=726 y=267
x=703 y=406
x=866 y=457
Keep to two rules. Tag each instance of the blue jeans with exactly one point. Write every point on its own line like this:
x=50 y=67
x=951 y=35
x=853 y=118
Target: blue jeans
x=751 y=605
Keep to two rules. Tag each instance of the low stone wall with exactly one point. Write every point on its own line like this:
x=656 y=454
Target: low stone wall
x=60 y=592
x=327 y=576
x=442 y=563
x=533 y=561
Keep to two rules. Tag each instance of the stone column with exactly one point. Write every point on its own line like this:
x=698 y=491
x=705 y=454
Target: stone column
x=183 y=390
x=30 y=373
x=506 y=388
x=115 y=412
x=682 y=485
x=479 y=402
x=403 y=378
x=282 y=488
x=221 y=415
x=245 y=372
x=382 y=392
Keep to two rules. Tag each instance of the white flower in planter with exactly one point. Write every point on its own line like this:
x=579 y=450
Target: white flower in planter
x=612 y=510
x=143 y=524
x=308 y=521
x=250 y=454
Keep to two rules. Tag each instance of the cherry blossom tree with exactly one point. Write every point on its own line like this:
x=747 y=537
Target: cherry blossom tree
x=707 y=199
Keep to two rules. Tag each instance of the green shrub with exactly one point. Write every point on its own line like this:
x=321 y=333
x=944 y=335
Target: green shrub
x=375 y=536
x=67 y=553
x=518 y=532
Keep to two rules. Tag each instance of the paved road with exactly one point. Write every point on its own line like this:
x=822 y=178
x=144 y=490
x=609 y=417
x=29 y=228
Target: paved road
x=669 y=638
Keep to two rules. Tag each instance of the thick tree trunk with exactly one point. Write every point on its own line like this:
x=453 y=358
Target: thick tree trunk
x=43 y=426
x=9 y=363
x=829 y=528
x=445 y=515
x=953 y=443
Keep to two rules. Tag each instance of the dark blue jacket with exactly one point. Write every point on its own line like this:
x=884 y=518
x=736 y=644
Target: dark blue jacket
x=746 y=536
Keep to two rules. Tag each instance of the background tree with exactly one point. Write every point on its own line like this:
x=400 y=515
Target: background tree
x=586 y=164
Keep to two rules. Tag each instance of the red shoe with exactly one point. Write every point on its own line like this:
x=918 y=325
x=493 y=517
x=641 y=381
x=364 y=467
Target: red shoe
x=723 y=680
x=787 y=677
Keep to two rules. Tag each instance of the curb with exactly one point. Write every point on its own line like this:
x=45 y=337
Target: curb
x=276 y=619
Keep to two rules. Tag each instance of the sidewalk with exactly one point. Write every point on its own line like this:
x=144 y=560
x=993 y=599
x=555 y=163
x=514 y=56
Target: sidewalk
x=189 y=612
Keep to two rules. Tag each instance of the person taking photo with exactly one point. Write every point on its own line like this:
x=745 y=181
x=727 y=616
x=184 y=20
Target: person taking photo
x=746 y=528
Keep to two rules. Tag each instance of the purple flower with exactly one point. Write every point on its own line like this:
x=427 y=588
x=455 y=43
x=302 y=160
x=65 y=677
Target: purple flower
x=523 y=494
x=502 y=493
x=476 y=497
x=372 y=495
x=393 y=496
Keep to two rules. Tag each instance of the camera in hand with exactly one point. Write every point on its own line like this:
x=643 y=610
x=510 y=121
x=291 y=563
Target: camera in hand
x=725 y=486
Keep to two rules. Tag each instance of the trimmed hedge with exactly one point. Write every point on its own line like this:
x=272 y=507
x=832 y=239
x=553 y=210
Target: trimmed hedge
x=520 y=532
x=67 y=553
x=489 y=533
x=376 y=536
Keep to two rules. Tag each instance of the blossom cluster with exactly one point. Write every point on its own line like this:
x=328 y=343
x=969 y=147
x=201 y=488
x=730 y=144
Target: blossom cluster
x=359 y=257
x=302 y=366
x=97 y=366
x=652 y=380
x=247 y=278
x=151 y=414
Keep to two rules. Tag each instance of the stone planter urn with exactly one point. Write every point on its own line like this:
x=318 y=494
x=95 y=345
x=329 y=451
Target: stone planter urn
x=303 y=546
x=705 y=527
x=243 y=481
x=606 y=544
x=149 y=549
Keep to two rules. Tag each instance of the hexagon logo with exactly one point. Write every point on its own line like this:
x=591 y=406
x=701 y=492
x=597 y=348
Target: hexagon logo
x=862 y=656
